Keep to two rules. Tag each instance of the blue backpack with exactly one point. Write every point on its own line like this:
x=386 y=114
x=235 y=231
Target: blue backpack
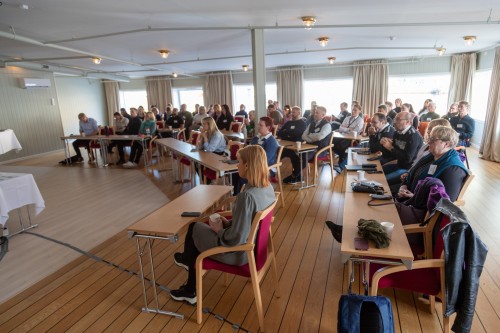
x=360 y=314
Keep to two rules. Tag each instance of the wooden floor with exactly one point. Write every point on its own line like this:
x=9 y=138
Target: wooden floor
x=88 y=295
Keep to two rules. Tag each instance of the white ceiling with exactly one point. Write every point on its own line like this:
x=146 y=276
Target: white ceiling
x=215 y=35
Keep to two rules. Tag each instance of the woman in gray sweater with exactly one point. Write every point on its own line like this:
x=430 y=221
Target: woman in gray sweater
x=257 y=195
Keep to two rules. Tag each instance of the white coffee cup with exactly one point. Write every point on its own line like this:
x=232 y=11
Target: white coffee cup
x=169 y=128
x=298 y=144
x=214 y=218
x=361 y=175
x=388 y=228
x=355 y=134
x=83 y=134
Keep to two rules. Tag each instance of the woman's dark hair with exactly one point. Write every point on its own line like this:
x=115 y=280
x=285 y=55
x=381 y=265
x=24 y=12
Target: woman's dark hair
x=226 y=108
x=409 y=106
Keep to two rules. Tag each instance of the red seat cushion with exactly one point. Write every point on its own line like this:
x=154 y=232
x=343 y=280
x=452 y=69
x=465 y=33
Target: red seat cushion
x=210 y=174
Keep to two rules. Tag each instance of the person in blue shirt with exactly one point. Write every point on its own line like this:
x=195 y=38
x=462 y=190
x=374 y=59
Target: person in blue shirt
x=88 y=126
x=211 y=140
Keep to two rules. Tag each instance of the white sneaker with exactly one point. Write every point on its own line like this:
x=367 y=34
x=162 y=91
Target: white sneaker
x=128 y=165
x=134 y=165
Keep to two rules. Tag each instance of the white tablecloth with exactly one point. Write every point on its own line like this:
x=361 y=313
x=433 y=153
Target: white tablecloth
x=8 y=141
x=18 y=190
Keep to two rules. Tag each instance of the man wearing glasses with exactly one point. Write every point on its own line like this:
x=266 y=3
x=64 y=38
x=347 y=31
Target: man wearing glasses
x=378 y=130
x=403 y=146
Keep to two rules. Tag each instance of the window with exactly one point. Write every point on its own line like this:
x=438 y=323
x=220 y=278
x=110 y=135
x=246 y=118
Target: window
x=133 y=98
x=188 y=96
x=328 y=93
x=244 y=94
x=416 y=89
x=480 y=92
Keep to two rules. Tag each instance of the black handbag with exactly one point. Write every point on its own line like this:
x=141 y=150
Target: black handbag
x=367 y=187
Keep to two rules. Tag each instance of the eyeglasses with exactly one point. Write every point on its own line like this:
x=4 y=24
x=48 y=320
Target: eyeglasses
x=432 y=140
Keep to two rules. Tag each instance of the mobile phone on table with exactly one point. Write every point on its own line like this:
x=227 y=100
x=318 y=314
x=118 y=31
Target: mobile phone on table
x=360 y=244
x=191 y=214
x=373 y=171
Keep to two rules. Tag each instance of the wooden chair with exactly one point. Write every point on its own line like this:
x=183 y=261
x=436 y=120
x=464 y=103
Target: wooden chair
x=260 y=252
x=460 y=200
x=275 y=130
x=94 y=144
x=232 y=147
x=427 y=276
x=462 y=149
x=326 y=159
x=186 y=161
x=236 y=127
x=160 y=124
x=240 y=119
x=277 y=166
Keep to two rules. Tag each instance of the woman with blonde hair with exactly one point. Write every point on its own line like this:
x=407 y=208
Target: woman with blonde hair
x=257 y=195
x=211 y=139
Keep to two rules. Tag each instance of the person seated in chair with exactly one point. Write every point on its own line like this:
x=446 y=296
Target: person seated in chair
x=317 y=133
x=293 y=129
x=176 y=121
x=380 y=129
x=463 y=124
x=352 y=124
x=211 y=139
x=403 y=147
x=339 y=119
x=257 y=195
x=148 y=128
x=88 y=126
x=268 y=142
x=120 y=125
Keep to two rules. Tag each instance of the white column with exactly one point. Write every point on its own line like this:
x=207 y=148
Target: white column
x=259 y=72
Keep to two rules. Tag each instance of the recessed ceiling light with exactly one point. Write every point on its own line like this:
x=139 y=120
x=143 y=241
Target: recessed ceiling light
x=245 y=68
x=96 y=60
x=164 y=53
x=323 y=41
x=331 y=60
x=308 y=21
x=469 y=40
x=174 y=74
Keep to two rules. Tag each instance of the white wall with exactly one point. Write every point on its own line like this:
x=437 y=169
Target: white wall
x=76 y=95
x=37 y=121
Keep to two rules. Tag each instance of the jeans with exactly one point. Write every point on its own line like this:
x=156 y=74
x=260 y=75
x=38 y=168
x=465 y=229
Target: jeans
x=393 y=173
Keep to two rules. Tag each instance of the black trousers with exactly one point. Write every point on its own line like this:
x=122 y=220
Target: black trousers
x=77 y=143
x=189 y=257
x=294 y=158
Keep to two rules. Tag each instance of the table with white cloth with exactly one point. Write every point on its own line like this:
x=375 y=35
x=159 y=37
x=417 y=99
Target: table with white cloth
x=18 y=190
x=8 y=141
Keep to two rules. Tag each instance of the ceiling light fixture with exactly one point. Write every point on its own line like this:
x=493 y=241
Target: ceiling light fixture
x=164 y=53
x=331 y=60
x=174 y=74
x=245 y=68
x=469 y=40
x=96 y=60
x=308 y=21
x=440 y=50
x=323 y=41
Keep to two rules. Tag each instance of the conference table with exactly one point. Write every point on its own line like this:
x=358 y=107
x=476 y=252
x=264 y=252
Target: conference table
x=356 y=207
x=164 y=224
x=8 y=141
x=104 y=140
x=304 y=149
x=230 y=135
x=218 y=163
x=18 y=190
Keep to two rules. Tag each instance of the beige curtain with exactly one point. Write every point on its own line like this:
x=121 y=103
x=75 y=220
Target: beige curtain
x=218 y=89
x=112 y=92
x=159 y=91
x=290 y=85
x=490 y=143
x=370 y=84
x=463 y=67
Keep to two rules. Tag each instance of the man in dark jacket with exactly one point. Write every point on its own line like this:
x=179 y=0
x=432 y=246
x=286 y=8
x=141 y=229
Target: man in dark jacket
x=463 y=124
x=132 y=128
x=379 y=128
x=293 y=129
x=403 y=146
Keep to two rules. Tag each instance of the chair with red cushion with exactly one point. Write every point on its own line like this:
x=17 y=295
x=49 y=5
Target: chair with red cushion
x=160 y=124
x=194 y=141
x=422 y=127
x=232 y=147
x=260 y=252
x=94 y=144
x=426 y=276
x=236 y=127
x=240 y=119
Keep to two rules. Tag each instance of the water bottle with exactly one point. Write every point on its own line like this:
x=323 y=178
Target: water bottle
x=148 y=131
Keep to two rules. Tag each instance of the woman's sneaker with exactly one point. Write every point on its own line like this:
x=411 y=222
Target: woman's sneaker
x=179 y=261
x=182 y=294
x=336 y=230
